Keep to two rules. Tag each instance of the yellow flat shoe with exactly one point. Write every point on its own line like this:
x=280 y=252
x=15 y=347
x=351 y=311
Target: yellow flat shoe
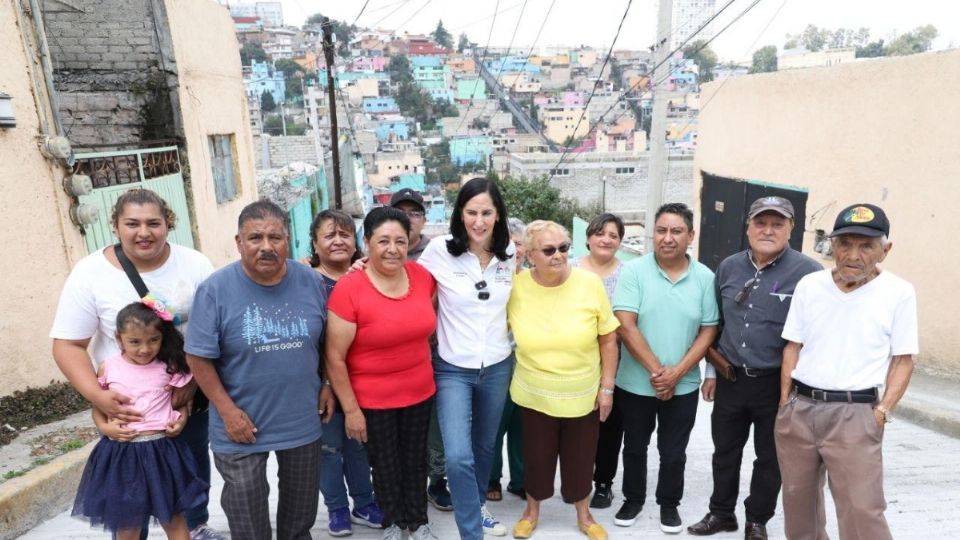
x=594 y=531
x=524 y=528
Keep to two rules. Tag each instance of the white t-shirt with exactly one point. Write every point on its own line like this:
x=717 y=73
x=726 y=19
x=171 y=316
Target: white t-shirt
x=95 y=291
x=849 y=338
x=471 y=333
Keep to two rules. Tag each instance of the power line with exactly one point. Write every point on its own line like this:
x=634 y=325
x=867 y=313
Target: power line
x=362 y=9
x=510 y=45
x=596 y=84
x=478 y=21
x=388 y=15
x=415 y=13
x=486 y=47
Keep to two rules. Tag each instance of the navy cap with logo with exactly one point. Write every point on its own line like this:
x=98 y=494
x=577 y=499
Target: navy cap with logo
x=407 y=194
x=863 y=219
x=771 y=204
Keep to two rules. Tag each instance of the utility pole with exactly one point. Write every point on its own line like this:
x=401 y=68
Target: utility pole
x=327 y=27
x=658 y=123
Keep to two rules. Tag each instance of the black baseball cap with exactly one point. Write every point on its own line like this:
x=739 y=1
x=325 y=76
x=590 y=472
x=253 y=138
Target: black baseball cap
x=863 y=219
x=772 y=204
x=407 y=194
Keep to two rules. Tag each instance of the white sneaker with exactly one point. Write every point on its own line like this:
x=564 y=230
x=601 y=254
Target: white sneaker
x=392 y=533
x=423 y=532
x=490 y=524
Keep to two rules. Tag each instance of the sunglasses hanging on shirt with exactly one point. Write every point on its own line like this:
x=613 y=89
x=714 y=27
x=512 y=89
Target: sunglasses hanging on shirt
x=482 y=292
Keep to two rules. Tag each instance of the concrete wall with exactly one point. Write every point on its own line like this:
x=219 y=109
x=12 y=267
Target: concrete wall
x=34 y=207
x=879 y=131
x=281 y=151
x=213 y=102
x=113 y=70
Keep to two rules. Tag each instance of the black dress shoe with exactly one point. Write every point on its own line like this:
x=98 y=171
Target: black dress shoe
x=754 y=531
x=712 y=524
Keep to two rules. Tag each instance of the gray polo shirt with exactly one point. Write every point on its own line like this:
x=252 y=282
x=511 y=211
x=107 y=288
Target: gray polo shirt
x=750 y=329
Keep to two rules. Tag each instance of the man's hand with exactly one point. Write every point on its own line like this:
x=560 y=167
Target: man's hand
x=880 y=418
x=239 y=427
x=665 y=395
x=117 y=430
x=328 y=404
x=356 y=426
x=183 y=396
x=174 y=428
x=708 y=389
x=604 y=404
x=117 y=406
x=666 y=379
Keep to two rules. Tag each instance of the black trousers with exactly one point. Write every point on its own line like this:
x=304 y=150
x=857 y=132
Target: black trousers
x=608 y=447
x=738 y=405
x=397 y=450
x=673 y=420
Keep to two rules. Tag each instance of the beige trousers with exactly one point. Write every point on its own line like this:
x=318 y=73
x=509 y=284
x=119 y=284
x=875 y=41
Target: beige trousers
x=839 y=442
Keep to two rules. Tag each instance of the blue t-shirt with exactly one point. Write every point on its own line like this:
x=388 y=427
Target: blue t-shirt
x=265 y=344
x=669 y=315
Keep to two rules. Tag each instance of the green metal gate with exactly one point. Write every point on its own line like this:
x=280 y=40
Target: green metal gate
x=114 y=173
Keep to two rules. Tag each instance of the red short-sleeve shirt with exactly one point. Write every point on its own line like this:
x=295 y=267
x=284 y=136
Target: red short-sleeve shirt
x=389 y=360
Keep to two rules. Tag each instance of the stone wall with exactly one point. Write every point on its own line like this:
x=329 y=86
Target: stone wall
x=281 y=151
x=114 y=70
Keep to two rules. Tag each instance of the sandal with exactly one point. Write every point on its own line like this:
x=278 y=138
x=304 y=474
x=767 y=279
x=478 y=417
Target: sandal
x=494 y=492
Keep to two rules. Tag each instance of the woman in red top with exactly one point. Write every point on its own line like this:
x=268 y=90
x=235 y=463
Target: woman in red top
x=378 y=359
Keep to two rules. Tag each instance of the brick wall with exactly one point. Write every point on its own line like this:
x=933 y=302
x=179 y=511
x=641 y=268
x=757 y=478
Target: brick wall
x=113 y=68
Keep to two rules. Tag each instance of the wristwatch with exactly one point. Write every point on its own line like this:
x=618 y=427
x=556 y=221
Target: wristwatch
x=887 y=415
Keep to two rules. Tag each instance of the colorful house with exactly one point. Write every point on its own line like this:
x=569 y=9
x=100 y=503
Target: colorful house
x=380 y=105
x=470 y=89
x=465 y=150
x=263 y=78
x=399 y=129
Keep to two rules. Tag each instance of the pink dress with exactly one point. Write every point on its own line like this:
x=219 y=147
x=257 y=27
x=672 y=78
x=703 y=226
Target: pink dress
x=146 y=386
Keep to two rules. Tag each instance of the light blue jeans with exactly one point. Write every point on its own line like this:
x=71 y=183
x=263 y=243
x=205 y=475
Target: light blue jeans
x=469 y=407
x=343 y=459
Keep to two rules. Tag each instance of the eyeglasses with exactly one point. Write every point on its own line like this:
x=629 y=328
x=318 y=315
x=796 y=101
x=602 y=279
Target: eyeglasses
x=745 y=291
x=482 y=292
x=549 y=251
x=414 y=214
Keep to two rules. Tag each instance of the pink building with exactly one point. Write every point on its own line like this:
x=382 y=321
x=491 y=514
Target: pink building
x=369 y=63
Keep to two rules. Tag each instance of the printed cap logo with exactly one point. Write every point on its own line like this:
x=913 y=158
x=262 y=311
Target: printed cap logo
x=860 y=214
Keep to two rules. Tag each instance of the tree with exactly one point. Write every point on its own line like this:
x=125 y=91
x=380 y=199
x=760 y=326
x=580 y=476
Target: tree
x=273 y=125
x=399 y=69
x=872 y=50
x=252 y=52
x=917 y=41
x=267 y=103
x=464 y=43
x=814 y=38
x=289 y=68
x=764 y=60
x=537 y=199
x=442 y=36
x=705 y=58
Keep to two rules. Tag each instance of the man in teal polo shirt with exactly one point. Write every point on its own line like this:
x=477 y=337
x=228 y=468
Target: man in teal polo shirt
x=668 y=313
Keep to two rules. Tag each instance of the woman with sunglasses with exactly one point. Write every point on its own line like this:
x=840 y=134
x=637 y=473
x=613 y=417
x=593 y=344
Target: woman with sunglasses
x=566 y=365
x=474 y=269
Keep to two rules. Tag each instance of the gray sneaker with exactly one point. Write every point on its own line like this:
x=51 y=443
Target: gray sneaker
x=423 y=532
x=392 y=533
x=203 y=532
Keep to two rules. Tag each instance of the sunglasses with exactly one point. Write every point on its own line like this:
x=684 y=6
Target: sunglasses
x=549 y=251
x=482 y=292
x=745 y=291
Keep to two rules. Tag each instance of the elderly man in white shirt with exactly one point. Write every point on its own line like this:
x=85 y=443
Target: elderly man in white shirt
x=852 y=335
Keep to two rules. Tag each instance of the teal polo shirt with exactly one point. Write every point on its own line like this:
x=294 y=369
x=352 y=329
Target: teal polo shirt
x=669 y=315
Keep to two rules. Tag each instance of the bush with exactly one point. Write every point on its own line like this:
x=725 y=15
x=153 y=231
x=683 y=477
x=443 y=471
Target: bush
x=35 y=406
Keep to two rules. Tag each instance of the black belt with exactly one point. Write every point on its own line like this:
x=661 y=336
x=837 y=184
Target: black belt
x=756 y=372
x=849 y=396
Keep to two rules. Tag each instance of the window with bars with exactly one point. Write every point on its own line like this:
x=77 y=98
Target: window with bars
x=222 y=160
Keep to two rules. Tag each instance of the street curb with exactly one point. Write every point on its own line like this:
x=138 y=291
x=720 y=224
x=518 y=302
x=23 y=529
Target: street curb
x=929 y=415
x=41 y=493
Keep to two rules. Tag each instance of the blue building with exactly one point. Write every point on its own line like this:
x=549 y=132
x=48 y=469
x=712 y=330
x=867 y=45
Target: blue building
x=416 y=182
x=441 y=94
x=380 y=105
x=264 y=78
x=465 y=150
x=512 y=64
x=399 y=128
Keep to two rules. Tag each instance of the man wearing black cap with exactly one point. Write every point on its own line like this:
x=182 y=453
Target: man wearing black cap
x=852 y=335
x=754 y=288
x=410 y=203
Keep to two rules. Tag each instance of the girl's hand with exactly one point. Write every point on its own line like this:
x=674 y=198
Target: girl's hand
x=356 y=426
x=174 y=428
x=604 y=404
x=117 y=430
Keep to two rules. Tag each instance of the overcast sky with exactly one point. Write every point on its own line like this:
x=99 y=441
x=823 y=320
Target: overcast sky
x=594 y=22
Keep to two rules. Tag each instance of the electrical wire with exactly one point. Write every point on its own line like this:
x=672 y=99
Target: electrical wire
x=362 y=9
x=415 y=13
x=486 y=47
x=388 y=15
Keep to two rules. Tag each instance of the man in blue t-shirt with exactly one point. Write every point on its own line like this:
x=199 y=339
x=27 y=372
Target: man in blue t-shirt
x=254 y=348
x=668 y=315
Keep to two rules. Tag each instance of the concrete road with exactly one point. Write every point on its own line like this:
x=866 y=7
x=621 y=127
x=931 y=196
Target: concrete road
x=922 y=487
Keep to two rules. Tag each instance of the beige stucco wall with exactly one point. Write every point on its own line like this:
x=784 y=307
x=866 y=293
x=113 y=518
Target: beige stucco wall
x=213 y=102
x=881 y=131
x=41 y=242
